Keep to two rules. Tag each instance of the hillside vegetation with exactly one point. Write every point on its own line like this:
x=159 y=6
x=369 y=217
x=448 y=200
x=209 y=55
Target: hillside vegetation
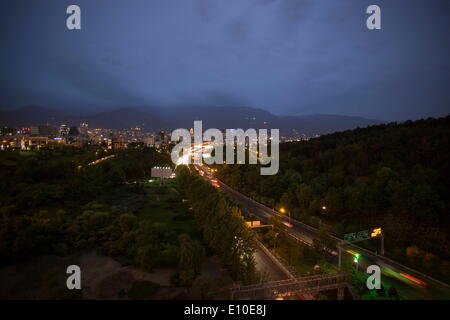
x=393 y=175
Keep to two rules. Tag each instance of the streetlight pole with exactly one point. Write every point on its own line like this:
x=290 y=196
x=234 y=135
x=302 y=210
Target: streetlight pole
x=356 y=262
x=282 y=210
x=340 y=255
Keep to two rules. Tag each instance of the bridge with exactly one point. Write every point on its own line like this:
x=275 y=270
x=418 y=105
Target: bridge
x=297 y=286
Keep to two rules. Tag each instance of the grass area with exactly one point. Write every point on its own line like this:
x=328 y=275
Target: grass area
x=9 y=159
x=27 y=153
x=303 y=258
x=167 y=207
x=156 y=203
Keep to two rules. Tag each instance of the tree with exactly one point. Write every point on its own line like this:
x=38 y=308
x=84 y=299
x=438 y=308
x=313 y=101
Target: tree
x=275 y=221
x=202 y=287
x=304 y=195
x=323 y=241
x=334 y=201
x=392 y=293
x=145 y=257
x=381 y=292
x=413 y=254
x=272 y=238
x=191 y=254
x=127 y=221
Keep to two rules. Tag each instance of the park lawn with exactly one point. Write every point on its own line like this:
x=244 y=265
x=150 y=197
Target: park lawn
x=166 y=207
x=9 y=159
x=27 y=153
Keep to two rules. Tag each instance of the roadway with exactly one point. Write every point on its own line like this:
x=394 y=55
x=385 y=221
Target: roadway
x=407 y=288
x=267 y=266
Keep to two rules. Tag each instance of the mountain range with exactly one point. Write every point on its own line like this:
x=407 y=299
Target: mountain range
x=154 y=119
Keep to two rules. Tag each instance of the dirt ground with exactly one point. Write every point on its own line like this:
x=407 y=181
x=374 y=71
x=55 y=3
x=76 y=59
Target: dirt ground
x=101 y=278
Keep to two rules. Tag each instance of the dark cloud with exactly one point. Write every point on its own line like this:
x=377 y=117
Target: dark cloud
x=206 y=10
x=223 y=98
x=239 y=30
x=213 y=98
x=288 y=56
x=295 y=11
x=112 y=61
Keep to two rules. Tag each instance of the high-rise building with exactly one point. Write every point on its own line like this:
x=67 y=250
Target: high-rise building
x=149 y=141
x=63 y=130
x=6 y=131
x=73 y=131
x=47 y=131
x=34 y=131
x=84 y=129
x=23 y=130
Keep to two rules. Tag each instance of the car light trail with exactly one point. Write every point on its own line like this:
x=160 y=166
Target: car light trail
x=413 y=279
x=287 y=224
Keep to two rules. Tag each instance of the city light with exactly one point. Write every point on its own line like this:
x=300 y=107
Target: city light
x=354 y=254
x=375 y=232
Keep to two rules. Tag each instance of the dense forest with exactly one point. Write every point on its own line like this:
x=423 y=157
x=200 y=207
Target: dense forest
x=47 y=202
x=393 y=175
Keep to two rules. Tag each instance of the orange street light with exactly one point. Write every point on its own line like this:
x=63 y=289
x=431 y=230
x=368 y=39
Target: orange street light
x=283 y=211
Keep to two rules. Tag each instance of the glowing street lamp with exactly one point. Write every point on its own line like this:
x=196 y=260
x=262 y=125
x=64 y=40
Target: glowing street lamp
x=283 y=211
x=324 y=208
x=356 y=260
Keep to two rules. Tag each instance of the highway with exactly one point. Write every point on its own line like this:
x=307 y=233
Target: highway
x=408 y=288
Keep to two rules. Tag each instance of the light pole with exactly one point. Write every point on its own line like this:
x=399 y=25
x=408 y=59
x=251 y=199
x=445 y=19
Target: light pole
x=283 y=211
x=356 y=260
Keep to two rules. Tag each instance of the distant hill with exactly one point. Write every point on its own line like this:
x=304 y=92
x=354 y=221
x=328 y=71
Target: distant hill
x=127 y=118
x=153 y=119
x=31 y=115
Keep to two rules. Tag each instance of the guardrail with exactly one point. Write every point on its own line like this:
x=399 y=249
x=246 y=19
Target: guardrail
x=274 y=259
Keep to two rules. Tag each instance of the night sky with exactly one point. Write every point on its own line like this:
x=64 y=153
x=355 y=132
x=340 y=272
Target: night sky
x=285 y=56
